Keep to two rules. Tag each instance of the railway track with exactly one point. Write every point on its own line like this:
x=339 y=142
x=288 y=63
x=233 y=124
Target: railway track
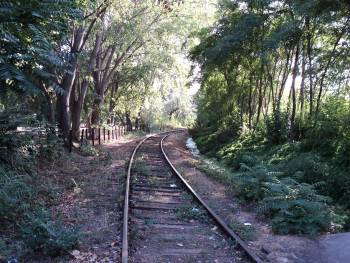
x=164 y=218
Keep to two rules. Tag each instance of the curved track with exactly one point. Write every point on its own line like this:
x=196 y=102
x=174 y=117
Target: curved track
x=165 y=220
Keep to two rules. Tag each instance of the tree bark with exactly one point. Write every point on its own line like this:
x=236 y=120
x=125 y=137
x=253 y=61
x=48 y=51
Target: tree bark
x=63 y=100
x=293 y=93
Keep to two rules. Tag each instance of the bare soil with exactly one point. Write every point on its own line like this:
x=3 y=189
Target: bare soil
x=225 y=202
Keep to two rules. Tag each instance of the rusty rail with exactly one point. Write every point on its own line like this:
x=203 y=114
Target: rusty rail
x=126 y=204
x=215 y=216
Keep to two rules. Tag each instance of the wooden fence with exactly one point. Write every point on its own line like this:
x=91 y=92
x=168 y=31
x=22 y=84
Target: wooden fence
x=98 y=136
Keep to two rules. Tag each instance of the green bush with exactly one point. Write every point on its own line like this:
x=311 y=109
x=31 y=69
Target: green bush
x=87 y=149
x=21 y=205
x=244 y=158
x=295 y=208
x=15 y=195
x=330 y=134
x=42 y=234
x=309 y=165
x=276 y=130
x=251 y=183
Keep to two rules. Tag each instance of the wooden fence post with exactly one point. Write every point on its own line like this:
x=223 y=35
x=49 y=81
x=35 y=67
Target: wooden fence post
x=82 y=136
x=70 y=141
x=93 y=136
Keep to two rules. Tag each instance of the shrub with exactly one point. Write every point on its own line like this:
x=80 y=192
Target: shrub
x=309 y=164
x=245 y=231
x=244 y=158
x=20 y=203
x=88 y=150
x=276 y=130
x=295 y=208
x=251 y=183
x=330 y=134
x=42 y=234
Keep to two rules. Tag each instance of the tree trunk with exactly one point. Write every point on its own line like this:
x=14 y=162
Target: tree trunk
x=309 y=54
x=250 y=110
x=63 y=99
x=302 y=86
x=260 y=95
x=128 y=121
x=112 y=103
x=294 y=104
x=77 y=106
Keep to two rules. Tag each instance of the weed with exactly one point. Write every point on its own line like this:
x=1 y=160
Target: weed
x=87 y=149
x=191 y=213
x=295 y=208
x=135 y=234
x=150 y=221
x=246 y=231
x=141 y=167
x=214 y=170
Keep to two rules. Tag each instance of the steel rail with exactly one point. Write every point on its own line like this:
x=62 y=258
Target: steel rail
x=125 y=241
x=216 y=217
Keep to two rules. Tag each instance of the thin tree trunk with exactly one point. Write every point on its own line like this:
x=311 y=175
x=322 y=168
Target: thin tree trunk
x=329 y=62
x=309 y=54
x=293 y=92
x=302 y=86
x=77 y=107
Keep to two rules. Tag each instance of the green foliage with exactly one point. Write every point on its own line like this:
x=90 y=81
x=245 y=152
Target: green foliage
x=276 y=130
x=330 y=135
x=15 y=195
x=252 y=183
x=192 y=213
x=29 y=34
x=87 y=149
x=214 y=169
x=21 y=206
x=42 y=234
x=295 y=208
x=245 y=231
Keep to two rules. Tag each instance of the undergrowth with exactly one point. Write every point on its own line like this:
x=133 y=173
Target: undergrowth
x=24 y=213
x=245 y=231
x=302 y=186
x=192 y=213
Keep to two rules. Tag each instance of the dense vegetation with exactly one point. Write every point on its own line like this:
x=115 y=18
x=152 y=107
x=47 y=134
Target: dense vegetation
x=273 y=102
x=66 y=63
x=274 y=106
